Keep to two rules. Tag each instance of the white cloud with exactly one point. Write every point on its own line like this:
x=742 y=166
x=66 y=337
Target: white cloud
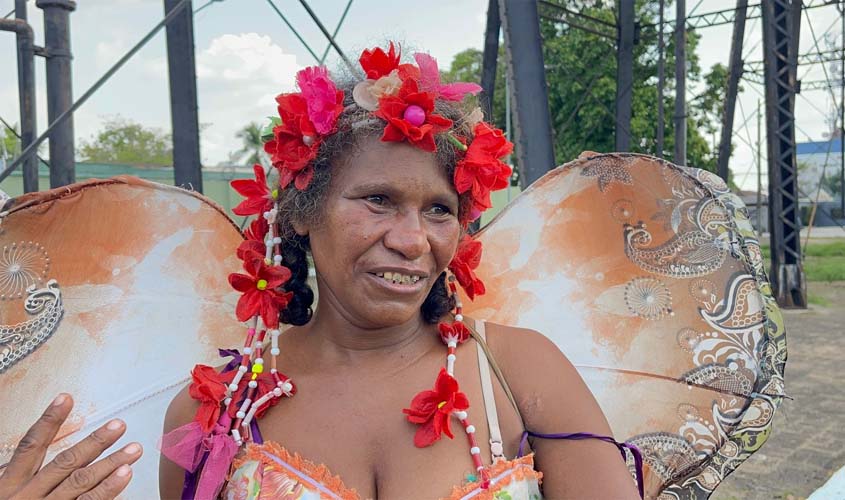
x=238 y=76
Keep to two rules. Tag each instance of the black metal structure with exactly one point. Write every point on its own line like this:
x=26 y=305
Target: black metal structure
x=184 y=112
x=59 y=88
x=26 y=88
x=661 y=81
x=624 y=74
x=532 y=121
x=734 y=73
x=680 y=117
x=781 y=24
x=491 y=56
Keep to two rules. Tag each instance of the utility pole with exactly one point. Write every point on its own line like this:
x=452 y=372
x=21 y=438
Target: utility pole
x=661 y=78
x=624 y=73
x=184 y=111
x=59 y=88
x=490 y=57
x=26 y=96
x=842 y=115
x=759 y=172
x=734 y=72
x=532 y=124
x=680 y=83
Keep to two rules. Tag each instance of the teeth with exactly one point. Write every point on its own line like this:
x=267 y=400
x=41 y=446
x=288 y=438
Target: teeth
x=398 y=278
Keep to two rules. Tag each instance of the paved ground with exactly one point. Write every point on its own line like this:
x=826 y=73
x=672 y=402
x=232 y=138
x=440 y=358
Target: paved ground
x=808 y=441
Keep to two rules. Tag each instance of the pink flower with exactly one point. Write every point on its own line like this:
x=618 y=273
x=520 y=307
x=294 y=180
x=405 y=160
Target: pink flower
x=323 y=100
x=430 y=80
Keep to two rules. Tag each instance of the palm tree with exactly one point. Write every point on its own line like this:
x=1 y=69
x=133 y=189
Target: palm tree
x=252 y=149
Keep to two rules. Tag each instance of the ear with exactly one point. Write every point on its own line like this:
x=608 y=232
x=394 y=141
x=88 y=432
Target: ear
x=301 y=228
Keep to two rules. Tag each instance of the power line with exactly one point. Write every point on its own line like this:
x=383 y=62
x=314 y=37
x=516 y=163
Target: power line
x=295 y=33
x=336 y=30
x=328 y=35
x=12 y=129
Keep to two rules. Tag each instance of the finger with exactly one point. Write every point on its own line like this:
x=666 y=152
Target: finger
x=88 y=478
x=30 y=452
x=111 y=487
x=76 y=457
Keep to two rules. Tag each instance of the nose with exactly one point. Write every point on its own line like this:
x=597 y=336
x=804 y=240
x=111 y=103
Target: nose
x=407 y=235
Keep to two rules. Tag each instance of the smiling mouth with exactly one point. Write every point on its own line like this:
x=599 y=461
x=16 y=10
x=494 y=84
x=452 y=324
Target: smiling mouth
x=398 y=278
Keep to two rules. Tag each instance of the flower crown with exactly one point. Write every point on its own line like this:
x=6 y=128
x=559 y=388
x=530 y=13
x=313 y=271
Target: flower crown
x=403 y=96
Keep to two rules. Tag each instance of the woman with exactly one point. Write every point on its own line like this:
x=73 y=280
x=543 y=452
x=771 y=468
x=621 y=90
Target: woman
x=378 y=180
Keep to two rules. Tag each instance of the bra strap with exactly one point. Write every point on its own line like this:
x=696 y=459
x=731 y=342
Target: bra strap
x=496 y=448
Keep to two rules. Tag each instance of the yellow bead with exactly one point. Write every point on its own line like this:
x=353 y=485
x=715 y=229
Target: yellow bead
x=254 y=376
x=441 y=404
x=261 y=285
x=275 y=193
x=257 y=368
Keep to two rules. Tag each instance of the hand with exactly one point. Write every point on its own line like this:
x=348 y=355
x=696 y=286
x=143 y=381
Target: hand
x=71 y=474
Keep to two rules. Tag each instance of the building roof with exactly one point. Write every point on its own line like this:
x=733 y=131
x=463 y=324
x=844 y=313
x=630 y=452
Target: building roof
x=819 y=147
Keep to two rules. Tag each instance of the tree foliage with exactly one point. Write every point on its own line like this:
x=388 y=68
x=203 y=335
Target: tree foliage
x=252 y=145
x=11 y=145
x=125 y=142
x=581 y=81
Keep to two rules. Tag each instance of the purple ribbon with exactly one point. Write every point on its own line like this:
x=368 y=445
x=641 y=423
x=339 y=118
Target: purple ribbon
x=638 y=457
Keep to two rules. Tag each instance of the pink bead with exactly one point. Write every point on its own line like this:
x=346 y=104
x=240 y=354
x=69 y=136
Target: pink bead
x=414 y=115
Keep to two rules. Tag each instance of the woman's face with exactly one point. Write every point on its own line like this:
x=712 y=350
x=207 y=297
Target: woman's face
x=389 y=228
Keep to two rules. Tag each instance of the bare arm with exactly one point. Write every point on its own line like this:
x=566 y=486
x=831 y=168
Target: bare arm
x=171 y=477
x=553 y=398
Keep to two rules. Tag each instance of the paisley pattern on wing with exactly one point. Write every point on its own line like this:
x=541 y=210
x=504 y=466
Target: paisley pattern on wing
x=649 y=277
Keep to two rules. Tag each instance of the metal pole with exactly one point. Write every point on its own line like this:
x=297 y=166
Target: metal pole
x=491 y=56
x=680 y=83
x=734 y=73
x=624 y=74
x=59 y=88
x=336 y=31
x=842 y=116
x=352 y=68
x=781 y=23
x=26 y=97
x=532 y=125
x=184 y=114
x=661 y=78
x=759 y=171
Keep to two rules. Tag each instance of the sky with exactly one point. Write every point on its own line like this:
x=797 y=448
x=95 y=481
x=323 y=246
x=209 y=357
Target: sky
x=245 y=56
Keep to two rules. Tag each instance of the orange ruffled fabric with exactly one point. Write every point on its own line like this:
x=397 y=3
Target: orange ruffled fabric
x=523 y=470
x=319 y=473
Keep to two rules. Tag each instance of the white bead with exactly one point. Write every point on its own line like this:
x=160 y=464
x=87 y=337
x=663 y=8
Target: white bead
x=461 y=415
x=470 y=429
x=253 y=384
x=452 y=343
x=259 y=344
x=475 y=450
x=267 y=214
x=458 y=304
x=273 y=370
x=277 y=259
x=268 y=243
x=459 y=317
x=274 y=333
x=242 y=369
x=277 y=392
x=259 y=361
x=275 y=351
x=227 y=401
x=287 y=387
x=277 y=240
x=233 y=387
x=247 y=350
x=240 y=414
x=479 y=468
x=451 y=357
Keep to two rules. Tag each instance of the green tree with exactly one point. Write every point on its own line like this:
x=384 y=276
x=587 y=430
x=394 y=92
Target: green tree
x=252 y=146
x=581 y=80
x=126 y=142
x=11 y=145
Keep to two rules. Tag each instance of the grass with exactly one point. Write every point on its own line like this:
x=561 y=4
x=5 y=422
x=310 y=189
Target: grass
x=817 y=300
x=822 y=261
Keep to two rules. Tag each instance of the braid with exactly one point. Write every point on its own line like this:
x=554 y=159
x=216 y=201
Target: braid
x=298 y=311
x=438 y=302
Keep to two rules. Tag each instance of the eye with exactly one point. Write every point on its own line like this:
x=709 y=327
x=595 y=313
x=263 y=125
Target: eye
x=440 y=210
x=376 y=199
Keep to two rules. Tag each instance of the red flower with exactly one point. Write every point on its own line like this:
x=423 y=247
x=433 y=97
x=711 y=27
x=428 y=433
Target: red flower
x=376 y=63
x=392 y=109
x=259 y=291
x=455 y=331
x=433 y=409
x=259 y=199
x=209 y=388
x=250 y=249
x=295 y=142
x=480 y=170
x=257 y=229
x=463 y=264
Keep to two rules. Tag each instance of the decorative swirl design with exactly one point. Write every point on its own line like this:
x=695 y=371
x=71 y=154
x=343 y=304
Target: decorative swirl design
x=17 y=341
x=21 y=265
x=687 y=255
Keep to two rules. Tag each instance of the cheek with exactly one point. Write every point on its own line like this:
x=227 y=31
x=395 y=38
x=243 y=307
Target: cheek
x=444 y=242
